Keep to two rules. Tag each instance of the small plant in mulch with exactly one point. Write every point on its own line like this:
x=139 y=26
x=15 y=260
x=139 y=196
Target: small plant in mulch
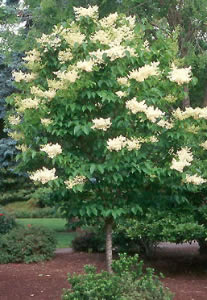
x=127 y=282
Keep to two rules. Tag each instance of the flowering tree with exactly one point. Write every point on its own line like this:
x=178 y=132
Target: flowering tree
x=98 y=118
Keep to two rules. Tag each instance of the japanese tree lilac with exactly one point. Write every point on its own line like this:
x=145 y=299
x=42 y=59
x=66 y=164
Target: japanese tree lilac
x=75 y=181
x=180 y=75
x=185 y=158
x=20 y=76
x=52 y=150
x=14 y=120
x=43 y=175
x=46 y=121
x=101 y=124
x=195 y=179
x=144 y=72
x=117 y=143
x=91 y=11
x=116 y=111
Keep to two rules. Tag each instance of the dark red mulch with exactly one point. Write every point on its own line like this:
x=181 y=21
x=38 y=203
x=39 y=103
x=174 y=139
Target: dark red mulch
x=185 y=274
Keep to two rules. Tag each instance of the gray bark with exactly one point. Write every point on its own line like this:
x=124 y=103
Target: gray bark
x=108 y=224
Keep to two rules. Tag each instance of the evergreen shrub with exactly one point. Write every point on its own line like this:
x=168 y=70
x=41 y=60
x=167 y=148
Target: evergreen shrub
x=27 y=244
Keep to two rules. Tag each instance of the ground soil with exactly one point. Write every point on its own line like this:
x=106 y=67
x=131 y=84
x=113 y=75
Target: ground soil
x=185 y=274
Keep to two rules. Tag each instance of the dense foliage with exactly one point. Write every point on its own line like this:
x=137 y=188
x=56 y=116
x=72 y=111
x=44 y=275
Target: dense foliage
x=128 y=282
x=176 y=225
x=27 y=244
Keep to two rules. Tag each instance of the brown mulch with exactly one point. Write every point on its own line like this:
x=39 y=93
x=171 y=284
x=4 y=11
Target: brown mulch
x=185 y=274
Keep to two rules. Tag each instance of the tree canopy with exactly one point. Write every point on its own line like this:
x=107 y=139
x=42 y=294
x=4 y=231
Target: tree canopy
x=98 y=117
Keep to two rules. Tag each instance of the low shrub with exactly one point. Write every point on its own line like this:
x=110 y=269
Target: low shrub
x=45 y=212
x=89 y=242
x=27 y=244
x=7 y=222
x=94 y=241
x=30 y=209
x=128 y=282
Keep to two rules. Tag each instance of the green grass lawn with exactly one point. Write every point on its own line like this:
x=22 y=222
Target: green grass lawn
x=63 y=237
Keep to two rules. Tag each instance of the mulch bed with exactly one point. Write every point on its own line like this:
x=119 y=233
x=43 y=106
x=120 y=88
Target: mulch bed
x=185 y=274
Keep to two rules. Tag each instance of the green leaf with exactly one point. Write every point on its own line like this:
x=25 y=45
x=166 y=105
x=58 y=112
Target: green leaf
x=92 y=168
x=101 y=169
x=77 y=129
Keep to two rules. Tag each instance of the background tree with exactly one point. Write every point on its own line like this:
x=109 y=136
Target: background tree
x=14 y=185
x=173 y=15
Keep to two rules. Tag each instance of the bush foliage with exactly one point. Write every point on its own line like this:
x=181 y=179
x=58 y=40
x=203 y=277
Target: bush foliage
x=27 y=244
x=89 y=242
x=7 y=222
x=128 y=282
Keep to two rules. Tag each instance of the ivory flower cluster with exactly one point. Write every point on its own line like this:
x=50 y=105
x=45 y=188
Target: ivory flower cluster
x=121 y=94
x=91 y=11
x=43 y=175
x=165 y=124
x=153 y=139
x=170 y=98
x=70 y=76
x=49 y=41
x=180 y=76
x=101 y=124
x=14 y=120
x=28 y=103
x=133 y=144
x=151 y=113
x=134 y=106
x=144 y=72
x=123 y=81
x=146 y=46
x=102 y=37
x=55 y=84
x=115 y=52
x=75 y=181
x=185 y=158
x=113 y=36
x=109 y=21
x=22 y=147
x=15 y=135
x=50 y=94
x=52 y=150
x=86 y=65
x=204 y=145
x=195 y=179
x=46 y=121
x=195 y=113
x=72 y=36
x=32 y=57
x=65 y=56
x=20 y=76
x=118 y=143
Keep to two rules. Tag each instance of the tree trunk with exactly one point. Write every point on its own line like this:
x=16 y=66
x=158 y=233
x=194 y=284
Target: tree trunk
x=108 y=224
x=186 y=101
